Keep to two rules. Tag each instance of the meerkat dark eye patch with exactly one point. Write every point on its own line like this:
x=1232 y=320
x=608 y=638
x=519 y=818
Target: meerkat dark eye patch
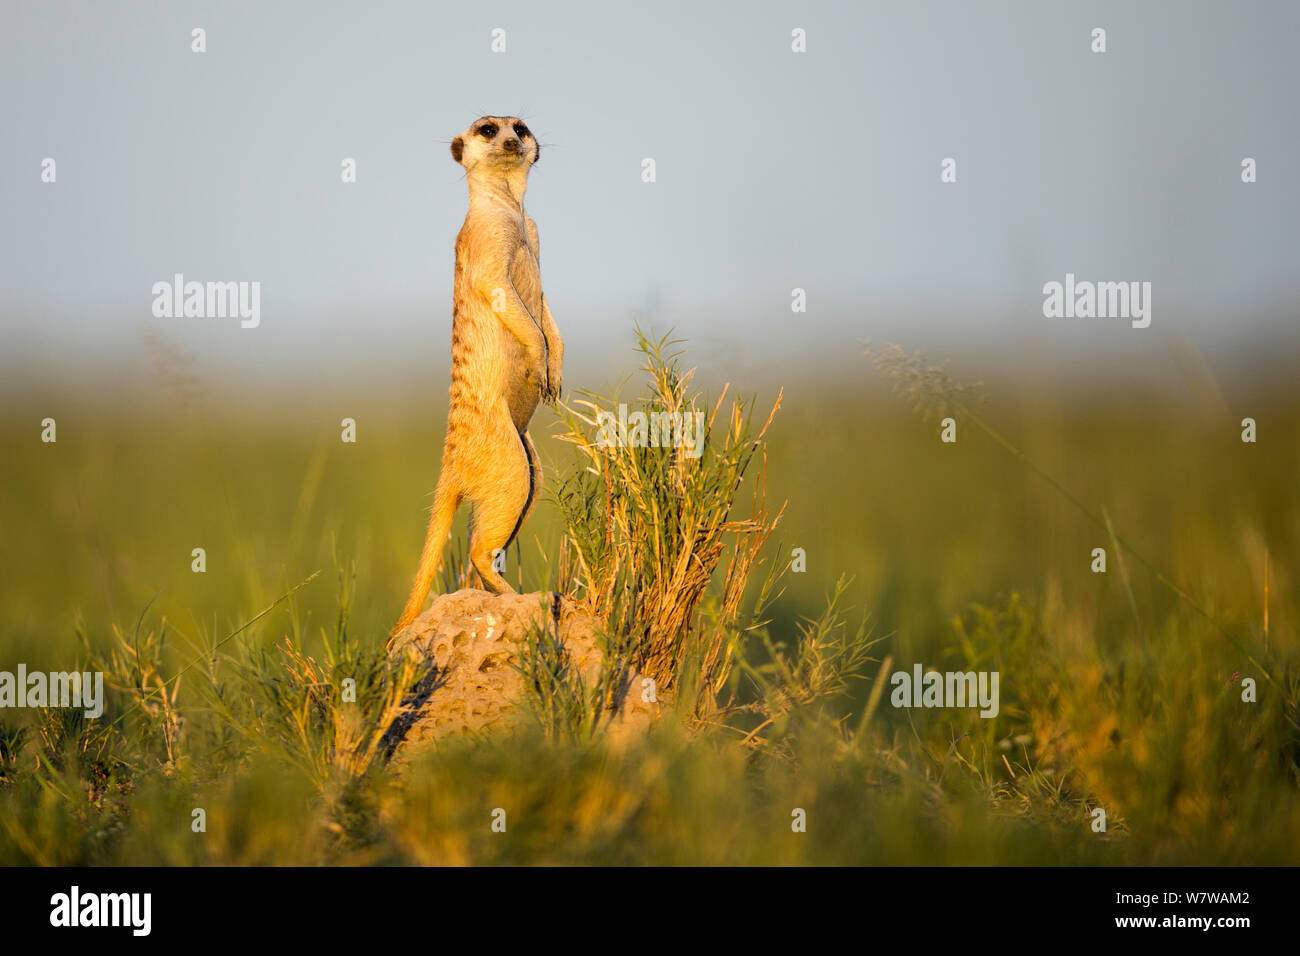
x=488 y=130
x=457 y=148
x=521 y=130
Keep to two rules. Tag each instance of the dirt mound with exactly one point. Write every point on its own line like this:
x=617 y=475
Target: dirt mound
x=471 y=639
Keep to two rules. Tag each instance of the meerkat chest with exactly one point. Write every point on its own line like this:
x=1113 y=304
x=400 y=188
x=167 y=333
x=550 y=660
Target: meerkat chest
x=494 y=260
x=496 y=272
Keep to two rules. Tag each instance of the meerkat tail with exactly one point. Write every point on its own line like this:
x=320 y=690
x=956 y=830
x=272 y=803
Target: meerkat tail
x=445 y=502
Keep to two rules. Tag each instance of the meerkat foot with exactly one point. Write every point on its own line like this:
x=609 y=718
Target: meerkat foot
x=488 y=574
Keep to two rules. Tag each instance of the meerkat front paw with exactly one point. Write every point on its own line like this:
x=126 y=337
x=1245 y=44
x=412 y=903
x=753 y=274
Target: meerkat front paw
x=554 y=386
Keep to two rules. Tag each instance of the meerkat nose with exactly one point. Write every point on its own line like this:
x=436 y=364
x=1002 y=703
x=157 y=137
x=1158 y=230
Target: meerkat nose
x=511 y=146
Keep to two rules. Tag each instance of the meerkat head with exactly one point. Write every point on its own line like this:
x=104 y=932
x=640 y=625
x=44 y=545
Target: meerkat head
x=500 y=144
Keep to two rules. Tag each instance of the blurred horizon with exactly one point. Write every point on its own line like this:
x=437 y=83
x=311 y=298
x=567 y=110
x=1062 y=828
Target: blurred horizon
x=225 y=166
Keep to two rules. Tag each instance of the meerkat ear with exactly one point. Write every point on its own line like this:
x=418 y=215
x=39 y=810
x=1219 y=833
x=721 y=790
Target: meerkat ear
x=537 y=152
x=457 y=148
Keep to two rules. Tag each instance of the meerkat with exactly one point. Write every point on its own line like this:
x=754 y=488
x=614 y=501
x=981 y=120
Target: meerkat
x=506 y=357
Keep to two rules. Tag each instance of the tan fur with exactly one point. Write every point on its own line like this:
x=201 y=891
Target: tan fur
x=506 y=356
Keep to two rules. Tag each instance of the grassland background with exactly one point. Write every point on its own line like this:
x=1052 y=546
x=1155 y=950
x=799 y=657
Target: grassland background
x=959 y=555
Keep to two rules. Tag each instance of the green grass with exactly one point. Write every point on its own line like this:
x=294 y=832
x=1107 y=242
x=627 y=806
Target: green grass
x=1119 y=690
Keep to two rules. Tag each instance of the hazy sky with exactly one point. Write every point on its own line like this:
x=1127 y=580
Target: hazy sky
x=775 y=170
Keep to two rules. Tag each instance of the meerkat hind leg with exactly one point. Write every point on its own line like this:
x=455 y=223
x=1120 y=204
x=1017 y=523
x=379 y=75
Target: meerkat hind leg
x=534 y=492
x=535 y=479
x=499 y=509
